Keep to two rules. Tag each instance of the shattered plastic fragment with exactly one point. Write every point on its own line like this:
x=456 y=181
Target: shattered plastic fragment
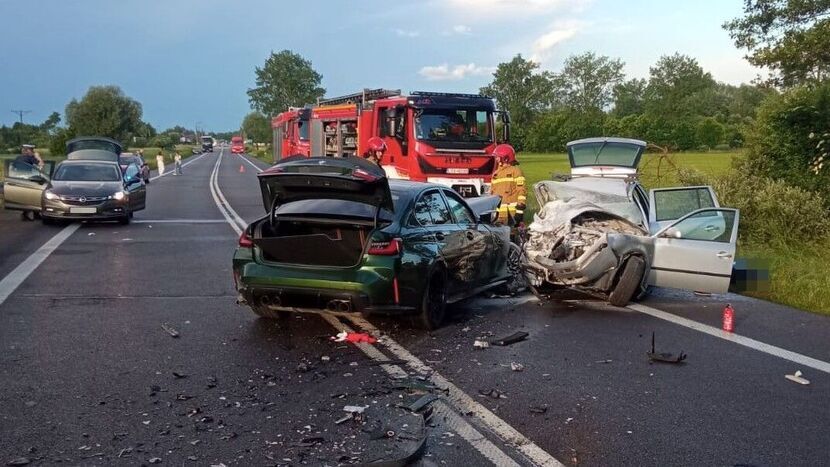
x=511 y=339
x=796 y=378
x=664 y=356
x=480 y=344
x=354 y=337
x=170 y=330
x=516 y=366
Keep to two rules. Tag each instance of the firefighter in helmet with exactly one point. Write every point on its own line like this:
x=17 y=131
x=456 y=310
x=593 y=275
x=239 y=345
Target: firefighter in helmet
x=509 y=183
x=377 y=147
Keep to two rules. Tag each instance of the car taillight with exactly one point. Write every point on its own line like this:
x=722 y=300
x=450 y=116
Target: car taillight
x=245 y=240
x=364 y=175
x=390 y=248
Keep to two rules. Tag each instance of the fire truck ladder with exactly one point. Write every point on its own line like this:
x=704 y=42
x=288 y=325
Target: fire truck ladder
x=360 y=97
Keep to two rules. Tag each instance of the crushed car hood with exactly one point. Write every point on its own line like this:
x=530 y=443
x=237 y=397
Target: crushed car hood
x=611 y=195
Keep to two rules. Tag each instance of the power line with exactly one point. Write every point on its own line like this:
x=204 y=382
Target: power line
x=21 y=113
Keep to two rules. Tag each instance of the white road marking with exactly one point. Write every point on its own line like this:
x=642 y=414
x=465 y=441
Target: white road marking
x=12 y=281
x=462 y=402
x=443 y=409
x=732 y=337
x=173 y=167
x=250 y=163
x=180 y=221
x=215 y=192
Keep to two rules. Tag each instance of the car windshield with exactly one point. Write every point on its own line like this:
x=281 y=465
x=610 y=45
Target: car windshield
x=453 y=125
x=605 y=153
x=207 y=139
x=87 y=173
x=302 y=129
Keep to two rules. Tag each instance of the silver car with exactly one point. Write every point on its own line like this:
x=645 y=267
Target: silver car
x=600 y=231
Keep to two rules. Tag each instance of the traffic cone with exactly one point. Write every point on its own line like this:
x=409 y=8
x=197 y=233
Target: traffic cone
x=728 y=318
x=241 y=168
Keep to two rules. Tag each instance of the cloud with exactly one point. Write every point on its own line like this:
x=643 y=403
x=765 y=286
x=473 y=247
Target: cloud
x=512 y=8
x=461 y=29
x=444 y=72
x=560 y=32
x=406 y=33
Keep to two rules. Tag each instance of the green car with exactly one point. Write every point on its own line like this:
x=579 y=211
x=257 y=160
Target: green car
x=339 y=237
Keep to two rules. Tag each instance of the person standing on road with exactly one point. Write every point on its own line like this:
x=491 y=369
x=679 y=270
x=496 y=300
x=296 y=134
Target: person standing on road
x=177 y=158
x=28 y=160
x=160 y=162
x=509 y=183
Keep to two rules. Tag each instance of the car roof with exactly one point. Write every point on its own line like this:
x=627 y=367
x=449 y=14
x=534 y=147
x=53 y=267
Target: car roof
x=411 y=186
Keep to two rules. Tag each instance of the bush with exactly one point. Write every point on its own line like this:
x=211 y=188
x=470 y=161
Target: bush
x=772 y=211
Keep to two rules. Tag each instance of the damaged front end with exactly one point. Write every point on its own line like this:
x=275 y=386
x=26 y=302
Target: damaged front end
x=579 y=244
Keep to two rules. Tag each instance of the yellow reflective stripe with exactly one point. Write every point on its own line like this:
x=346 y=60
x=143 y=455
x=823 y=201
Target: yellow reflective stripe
x=502 y=180
x=522 y=198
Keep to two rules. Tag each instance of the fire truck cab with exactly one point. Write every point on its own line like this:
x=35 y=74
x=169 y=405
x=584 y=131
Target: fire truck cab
x=432 y=137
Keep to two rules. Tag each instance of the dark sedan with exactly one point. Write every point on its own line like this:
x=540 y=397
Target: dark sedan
x=338 y=236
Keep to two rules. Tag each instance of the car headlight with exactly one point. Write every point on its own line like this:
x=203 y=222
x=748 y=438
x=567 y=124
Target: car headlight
x=50 y=195
x=119 y=195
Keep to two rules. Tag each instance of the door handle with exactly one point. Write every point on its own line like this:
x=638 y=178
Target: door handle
x=439 y=236
x=723 y=254
x=710 y=228
x=469 y=235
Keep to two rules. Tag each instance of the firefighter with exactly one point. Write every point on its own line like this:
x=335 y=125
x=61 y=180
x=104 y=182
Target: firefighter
x=509 y=183
x=377 y=147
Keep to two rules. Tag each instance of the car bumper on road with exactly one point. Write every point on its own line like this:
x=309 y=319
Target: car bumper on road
x=104 y=210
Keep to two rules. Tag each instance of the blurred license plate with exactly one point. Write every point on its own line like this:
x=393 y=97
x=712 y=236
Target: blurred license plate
x=82 y=210
x=458 y=171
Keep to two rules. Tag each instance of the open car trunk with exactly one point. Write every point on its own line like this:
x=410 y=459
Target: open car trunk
x=312 y=242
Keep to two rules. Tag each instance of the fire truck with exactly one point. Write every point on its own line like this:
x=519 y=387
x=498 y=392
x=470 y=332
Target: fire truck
x=436 y=137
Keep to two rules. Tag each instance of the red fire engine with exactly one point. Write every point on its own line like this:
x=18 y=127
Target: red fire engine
x=437 y=137
x=237 y=145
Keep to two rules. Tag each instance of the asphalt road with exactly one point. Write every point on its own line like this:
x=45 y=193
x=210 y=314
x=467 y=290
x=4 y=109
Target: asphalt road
x=88 y=375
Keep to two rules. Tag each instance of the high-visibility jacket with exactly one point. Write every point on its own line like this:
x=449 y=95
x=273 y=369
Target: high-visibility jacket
x=509 y=183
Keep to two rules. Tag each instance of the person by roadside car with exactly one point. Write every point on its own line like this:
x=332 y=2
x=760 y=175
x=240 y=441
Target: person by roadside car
x=377 y=147
x=33 y=159
x=509 y=183
x=160 y=162
x=177 y=159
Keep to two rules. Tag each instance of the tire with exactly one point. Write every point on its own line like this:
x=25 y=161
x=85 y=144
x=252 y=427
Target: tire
x=517 y=281
x=268 y=313
x=433 y=307
x=125 y=220
x=629 y=281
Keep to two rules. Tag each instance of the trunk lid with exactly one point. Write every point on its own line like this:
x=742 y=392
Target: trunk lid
x=302 y=178
x=605 y=157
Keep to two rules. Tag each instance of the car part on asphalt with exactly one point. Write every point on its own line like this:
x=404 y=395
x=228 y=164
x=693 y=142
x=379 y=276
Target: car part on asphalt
x=480 y=344
x=797 y=378
x=511 y=339
x=515 y=366
x=665 y=357
x=354 y=338
x=728 y=318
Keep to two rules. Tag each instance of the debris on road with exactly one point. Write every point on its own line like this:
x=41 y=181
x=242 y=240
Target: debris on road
x=179 y=375
x=665 y=357
x=424 y=401
x=797 y=378
x=170 y=330
x=19 y=461
x=480 y=344
x=91 y=234
x=728 y=318
x=354 y=337
x=539 y=409
x=515 y=366
x=608 y=360
x=155 y=460
x=492 y=393
x=511 y=339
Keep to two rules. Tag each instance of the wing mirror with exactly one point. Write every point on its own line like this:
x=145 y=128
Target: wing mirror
x=487 y=217
x=39 y=179
x=671 y=232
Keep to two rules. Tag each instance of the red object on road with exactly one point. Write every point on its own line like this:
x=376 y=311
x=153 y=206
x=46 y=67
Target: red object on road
x=241 y=168
x=354 y=338
x=728 y=318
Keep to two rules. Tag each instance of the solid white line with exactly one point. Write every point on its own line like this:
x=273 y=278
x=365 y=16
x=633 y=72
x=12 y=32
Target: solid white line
x=461 y=401
x=245 y=158
x=179 y=221
x=12 y=281
x=213 y=193
x=239 y=220
x=443 y=410
x=732 y=337
x=168 y=172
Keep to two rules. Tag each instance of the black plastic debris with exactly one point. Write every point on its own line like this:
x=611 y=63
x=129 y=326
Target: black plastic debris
x=539 y=409
x=511 y=339
x=664 y=357
x=19 y=461
x=310 y=442
x=170 y=330
x=424 y=401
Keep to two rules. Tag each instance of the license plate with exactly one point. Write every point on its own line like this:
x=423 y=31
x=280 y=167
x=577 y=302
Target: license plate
x=83 y=210
x=458 y=171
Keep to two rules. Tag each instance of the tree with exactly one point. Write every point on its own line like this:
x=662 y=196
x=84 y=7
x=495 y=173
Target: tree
x=257 y=127
x=791 y=38
x=51 y=123
x=104 y=111
x=709 y=132
x=673 y=83
x=286 y=80
x=589 y=80
x=629 y=97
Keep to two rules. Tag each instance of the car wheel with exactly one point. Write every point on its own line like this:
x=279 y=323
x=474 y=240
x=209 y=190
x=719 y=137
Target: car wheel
x=125 y=220
x=628 y=282
x=434 y=302
x=268 y=313
x=517 y=280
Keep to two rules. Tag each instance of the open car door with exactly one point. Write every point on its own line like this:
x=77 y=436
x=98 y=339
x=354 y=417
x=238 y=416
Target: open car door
x=697 y=251
x=25 y=184
x=667 y=205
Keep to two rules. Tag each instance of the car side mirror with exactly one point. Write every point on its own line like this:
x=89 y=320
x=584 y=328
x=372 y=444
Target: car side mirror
x=39 y=179
x=671 y=232
x=487 y=217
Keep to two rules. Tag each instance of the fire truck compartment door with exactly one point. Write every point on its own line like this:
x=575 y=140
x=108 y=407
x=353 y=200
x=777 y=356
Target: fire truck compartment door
x=317 y=138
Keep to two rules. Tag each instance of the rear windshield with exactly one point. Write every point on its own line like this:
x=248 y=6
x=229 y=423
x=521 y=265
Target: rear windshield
x=333 y=208
x=605 y=153
x=87 y=173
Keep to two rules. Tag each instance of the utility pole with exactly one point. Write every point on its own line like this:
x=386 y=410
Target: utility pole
x=21 y=113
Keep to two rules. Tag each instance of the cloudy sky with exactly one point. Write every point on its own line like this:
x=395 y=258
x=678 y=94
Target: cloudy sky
x=191 y=61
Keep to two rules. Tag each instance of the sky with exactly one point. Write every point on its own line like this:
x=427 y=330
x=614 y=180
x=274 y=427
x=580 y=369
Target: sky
x=190 y=62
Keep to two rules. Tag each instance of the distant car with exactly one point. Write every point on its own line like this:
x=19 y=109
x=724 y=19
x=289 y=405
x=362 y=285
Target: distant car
x=600 y=231
x=88 y=185
x=339 y=236
x=127 y=158
x=207 y=144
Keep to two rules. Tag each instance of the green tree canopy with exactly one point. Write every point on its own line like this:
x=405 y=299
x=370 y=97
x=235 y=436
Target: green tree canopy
x=104 y=111
x=519 y=88
x=257 y=127
x=286 y=80
x=588 y=81
x=790 y=37
x=629 y=97
x=673 y=84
